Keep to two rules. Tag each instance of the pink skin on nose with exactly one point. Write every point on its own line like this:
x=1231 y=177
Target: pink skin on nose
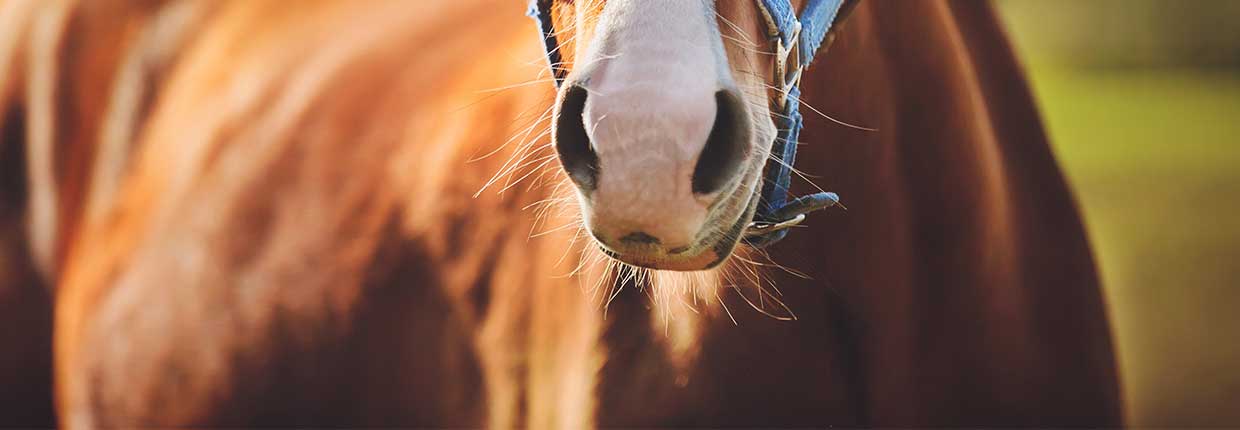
x=652 y=76
x=648 y=144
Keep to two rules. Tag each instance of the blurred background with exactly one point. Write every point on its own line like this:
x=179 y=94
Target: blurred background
x=1142 y=101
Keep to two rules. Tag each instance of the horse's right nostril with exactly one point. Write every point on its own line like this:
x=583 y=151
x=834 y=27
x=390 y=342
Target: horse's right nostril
x=725 y=149
x=571 y=141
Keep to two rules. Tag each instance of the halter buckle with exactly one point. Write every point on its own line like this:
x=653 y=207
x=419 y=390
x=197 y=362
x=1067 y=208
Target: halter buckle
x=787 y=77
x=762 y=228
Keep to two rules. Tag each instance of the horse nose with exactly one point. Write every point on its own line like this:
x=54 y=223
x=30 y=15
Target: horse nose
x=572 y=143
x=724 y=153
x=650 y=158
x=719 y=161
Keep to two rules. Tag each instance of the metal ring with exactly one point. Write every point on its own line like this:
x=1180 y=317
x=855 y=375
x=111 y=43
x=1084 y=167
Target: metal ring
x=758 y=228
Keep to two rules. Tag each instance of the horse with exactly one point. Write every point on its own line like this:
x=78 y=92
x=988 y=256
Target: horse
x=333 y=214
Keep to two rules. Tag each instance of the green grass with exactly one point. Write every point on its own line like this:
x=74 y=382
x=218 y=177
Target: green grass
x=1154 y=157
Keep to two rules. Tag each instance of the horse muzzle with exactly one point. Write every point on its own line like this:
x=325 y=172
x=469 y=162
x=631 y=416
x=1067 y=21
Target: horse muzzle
x=660 y=178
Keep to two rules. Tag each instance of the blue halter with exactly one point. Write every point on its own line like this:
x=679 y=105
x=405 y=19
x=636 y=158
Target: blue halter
x=796 y=41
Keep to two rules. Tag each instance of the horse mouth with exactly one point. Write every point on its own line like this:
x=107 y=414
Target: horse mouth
x=714 y=246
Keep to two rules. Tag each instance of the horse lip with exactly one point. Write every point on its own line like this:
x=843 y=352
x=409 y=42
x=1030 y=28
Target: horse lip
x=708 y=256
x=680 y=250
x=704 y=261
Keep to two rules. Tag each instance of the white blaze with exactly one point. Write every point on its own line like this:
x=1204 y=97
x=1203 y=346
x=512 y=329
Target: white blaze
x=652 y=73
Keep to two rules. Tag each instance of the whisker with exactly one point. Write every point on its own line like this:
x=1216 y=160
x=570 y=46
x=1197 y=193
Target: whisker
x=725 y=308
x=828 y=117
x=513 y=86
x=542 y=162
x=735 y=28
x=518 y=157
x=511 y=139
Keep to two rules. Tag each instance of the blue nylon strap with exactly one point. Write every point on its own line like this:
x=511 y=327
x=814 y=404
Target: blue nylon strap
x=815 y=23
x=783 y=19
x=817 y=18
x=805 y=35
x=540 y=10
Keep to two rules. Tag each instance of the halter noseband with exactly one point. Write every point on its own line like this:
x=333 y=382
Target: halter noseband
x=796 y=42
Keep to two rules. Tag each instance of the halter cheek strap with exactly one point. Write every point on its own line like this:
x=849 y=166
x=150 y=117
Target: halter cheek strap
x=797 y=41
x=540 y=10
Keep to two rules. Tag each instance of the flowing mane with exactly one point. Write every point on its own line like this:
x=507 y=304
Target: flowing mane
x=260 y=213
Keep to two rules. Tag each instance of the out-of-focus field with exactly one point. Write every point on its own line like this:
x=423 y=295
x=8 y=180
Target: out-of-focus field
x=1154 y=160
x=1153 y=153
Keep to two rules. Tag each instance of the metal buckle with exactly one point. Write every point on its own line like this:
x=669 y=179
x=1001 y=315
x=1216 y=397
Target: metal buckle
x=761 y=228
x=787 y=78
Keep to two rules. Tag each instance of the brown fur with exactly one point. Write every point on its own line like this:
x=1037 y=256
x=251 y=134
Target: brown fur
x=279 y=227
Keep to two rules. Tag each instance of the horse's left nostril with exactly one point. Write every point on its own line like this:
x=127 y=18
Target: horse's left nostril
x=725 y=149
x=571 y=141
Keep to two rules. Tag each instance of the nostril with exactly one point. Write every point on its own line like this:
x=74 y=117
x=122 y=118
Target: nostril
x=725 y=149
x=571 y=141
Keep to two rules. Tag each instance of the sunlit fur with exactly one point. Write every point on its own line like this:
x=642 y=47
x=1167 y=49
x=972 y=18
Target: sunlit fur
x=209 y=158
x=252 y=212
